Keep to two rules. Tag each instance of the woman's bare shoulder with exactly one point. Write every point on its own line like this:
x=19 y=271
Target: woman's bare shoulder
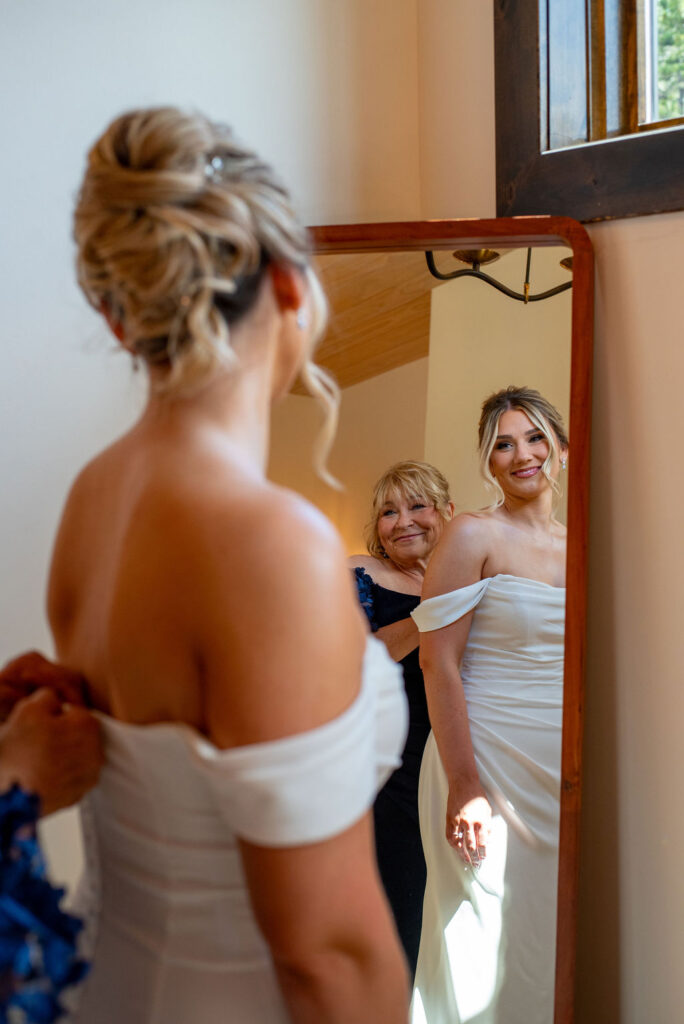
x=262 y=532
x=469 y=528
x=459 y=558
x=87 y=482
x=274 y=609
x=84 y=496
x=559 y=529
x=367 y=562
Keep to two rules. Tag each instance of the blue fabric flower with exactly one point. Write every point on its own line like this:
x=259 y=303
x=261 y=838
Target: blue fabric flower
x=364 y=587
x=38 y=955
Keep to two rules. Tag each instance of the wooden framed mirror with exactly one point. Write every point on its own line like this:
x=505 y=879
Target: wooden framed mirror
x=374 y=351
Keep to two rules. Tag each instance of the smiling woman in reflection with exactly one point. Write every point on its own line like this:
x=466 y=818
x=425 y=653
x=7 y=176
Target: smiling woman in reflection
x=492 y=626
x=248 y=721
x=411 y=505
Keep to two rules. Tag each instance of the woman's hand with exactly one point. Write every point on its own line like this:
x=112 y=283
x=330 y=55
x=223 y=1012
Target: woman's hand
x=29 y=672
x=50 y=748
x=468 y=826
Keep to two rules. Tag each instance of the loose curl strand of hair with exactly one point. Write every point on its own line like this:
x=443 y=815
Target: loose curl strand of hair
x=175 y=225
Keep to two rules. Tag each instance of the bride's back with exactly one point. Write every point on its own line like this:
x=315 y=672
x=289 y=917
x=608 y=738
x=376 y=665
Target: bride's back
x=126 y=585
x=188 y=589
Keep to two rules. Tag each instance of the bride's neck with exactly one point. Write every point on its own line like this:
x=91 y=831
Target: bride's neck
x=536 y=514
x=235 y=406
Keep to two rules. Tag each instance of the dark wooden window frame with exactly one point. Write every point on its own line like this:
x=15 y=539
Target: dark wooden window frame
x=620 y=177
x=517 y=232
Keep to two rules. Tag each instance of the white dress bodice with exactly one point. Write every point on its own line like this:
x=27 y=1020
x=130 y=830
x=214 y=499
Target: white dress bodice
x=487 y=950
x=174 y=939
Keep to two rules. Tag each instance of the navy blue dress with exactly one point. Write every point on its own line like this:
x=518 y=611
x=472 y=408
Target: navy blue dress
x=397 y=832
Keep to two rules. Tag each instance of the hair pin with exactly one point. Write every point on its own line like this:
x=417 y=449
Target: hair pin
x=214 y=167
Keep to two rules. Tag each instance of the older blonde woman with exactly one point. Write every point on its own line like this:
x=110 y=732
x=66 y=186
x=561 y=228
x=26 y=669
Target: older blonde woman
x=410 y=507
x=231 y=828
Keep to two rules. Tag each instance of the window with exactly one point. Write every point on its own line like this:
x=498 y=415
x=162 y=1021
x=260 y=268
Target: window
x=589 y=107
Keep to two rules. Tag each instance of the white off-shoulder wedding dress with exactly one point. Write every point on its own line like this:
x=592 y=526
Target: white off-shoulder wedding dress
x=487 y=952
x=172 y=934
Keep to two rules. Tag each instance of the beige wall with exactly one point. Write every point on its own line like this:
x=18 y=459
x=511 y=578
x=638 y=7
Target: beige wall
x=481 y=341
x=456 y=92
x=382 y=420
x=632 y=904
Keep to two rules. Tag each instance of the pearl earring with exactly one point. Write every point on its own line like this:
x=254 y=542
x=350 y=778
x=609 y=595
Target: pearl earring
x=564 y=463
x=301 y=319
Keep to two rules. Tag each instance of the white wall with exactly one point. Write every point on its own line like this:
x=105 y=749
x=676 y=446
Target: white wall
x=326 y=90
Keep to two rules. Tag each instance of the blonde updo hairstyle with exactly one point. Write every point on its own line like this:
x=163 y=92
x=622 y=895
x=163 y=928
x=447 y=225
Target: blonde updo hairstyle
x=408 y=480
x=539 y=411
x=175 y=225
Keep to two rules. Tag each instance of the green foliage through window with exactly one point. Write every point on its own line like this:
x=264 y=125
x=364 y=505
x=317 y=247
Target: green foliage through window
x=670 y=59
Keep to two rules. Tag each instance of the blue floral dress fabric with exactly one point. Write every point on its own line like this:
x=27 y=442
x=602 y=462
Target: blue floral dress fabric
x=364 y=588
x=38 y=954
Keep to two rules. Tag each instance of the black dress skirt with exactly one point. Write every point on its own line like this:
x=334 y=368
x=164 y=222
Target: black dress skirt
x=397 y=832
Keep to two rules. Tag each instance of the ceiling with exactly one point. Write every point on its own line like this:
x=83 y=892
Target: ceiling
x=379 y=313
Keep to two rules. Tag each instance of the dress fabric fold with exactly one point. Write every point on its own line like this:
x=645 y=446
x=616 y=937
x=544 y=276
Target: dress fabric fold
x=172 y=935
x=487 y=952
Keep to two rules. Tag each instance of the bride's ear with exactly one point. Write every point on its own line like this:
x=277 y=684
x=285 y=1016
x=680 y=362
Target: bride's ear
x=288 y=286
x=115 y=325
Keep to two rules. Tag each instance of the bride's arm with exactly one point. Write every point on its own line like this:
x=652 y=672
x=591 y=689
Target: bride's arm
x=457 y=562
x=287 y=658
x=333 y=945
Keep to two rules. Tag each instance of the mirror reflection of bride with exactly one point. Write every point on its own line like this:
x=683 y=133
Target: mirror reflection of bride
x=492 y=628
x=248 y=719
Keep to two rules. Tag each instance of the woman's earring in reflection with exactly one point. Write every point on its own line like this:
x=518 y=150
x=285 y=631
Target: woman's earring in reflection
x=564 y=462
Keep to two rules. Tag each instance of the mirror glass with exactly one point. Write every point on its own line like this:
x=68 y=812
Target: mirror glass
x=416 y=357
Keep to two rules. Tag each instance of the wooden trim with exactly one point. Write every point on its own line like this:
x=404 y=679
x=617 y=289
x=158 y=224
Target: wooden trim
x=650 y=126
x=516 y=232
x=596 y=70
x=629 y=66
x=621 y=177
x=507 y=232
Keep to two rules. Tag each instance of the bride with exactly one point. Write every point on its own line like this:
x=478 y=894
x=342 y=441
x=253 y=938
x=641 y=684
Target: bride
x=492 y=626
x=248 y=719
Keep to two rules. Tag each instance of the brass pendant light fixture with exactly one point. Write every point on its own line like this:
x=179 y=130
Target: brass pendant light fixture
x=475 y=258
